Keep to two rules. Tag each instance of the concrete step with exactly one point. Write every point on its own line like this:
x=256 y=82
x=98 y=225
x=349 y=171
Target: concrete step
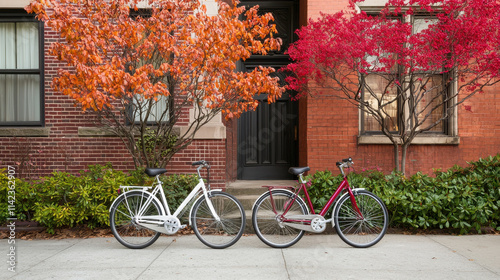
x=248 y=191
x=254 y=187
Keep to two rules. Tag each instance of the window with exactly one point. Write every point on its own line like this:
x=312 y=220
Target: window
x=155 y=111
x=423 y=91
x=21 y=64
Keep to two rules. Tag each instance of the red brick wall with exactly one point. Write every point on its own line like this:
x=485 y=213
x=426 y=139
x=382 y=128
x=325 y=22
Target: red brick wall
x=315 y=7
x=332 y=135
x=65 y=150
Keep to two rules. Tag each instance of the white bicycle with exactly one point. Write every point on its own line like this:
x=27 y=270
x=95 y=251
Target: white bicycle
x=138 y=217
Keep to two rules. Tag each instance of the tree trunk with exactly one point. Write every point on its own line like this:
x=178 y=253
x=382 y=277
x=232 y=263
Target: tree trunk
x=404 y=149
x=396 y=156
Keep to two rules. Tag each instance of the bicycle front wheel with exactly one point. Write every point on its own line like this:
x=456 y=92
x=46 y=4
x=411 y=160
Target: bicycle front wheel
x=122 y=220
x=225 y=232
x=365 y=231
x=267 y=221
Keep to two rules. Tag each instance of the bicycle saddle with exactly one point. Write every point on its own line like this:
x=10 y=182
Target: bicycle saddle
x=298 y=170
x=151 y=172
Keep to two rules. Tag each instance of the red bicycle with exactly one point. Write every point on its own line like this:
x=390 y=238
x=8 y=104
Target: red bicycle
x=280 y=216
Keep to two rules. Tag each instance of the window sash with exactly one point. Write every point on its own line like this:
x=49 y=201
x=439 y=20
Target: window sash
x=159 y=112
x=21 y=77
x=19 y=98
x=376 y=85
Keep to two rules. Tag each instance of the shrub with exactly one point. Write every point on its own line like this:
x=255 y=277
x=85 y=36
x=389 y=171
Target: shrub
x=62 y=199
x=67 y=200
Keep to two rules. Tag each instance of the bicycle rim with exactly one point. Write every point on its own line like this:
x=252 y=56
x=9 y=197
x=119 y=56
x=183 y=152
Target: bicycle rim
x=357 y=232
x=225 y=232
x=266 y=222
x=125 y=229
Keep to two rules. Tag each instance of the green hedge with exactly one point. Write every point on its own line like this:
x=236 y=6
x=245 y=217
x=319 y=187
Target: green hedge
x=465 y=199
x=62 y=199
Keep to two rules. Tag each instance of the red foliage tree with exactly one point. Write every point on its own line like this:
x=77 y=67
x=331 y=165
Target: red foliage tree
x=139 y=69
x=408 y=79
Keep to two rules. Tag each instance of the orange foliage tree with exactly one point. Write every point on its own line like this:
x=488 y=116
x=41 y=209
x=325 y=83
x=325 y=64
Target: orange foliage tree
x=141 y=70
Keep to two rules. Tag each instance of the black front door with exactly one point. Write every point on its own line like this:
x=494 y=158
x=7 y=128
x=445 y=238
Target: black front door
x=267 y=140
x=267 y=137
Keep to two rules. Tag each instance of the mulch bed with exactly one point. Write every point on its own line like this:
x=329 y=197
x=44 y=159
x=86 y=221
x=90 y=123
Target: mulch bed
x=32 y=231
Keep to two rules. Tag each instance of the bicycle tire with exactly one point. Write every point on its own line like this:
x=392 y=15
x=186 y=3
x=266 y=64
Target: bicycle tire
x=356 y=232
x=265 y=220
x=123 y=226
x=218 y=234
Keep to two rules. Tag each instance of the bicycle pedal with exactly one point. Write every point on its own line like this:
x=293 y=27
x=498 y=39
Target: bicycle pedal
x=183 y=226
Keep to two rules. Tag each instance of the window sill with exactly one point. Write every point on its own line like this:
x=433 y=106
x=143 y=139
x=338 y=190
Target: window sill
x=419 y=140
x=24 y=132
x=94 y=132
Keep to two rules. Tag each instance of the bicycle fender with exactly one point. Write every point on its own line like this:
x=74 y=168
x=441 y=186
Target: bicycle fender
x=338 y=199
x=137 y=191
x=196 y=201
x=284 y=190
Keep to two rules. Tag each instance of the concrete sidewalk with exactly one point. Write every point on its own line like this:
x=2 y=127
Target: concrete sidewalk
x=313 y=257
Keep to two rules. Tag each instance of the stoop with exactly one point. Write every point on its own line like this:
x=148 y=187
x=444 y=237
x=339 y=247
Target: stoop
x=247 y=192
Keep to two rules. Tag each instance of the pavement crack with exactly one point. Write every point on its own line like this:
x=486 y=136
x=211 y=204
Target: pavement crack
x=146 y=269
x=286 y=266
x=455 y=251
x=44 y=260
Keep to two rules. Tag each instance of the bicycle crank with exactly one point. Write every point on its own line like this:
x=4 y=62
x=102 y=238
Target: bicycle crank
x=172 y=224
x=312 y=223
x=164 y=224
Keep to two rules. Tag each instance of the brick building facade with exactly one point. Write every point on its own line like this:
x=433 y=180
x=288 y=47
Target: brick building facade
x=323 y=130
x=65 y=139
x=326 y=137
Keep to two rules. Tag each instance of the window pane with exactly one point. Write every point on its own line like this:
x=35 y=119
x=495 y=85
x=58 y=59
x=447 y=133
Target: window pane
x=19 y=45
x=420 y=24
x=19 y=98
x=27 y=45
x=159 y=110
x=7 y=45
x=374 y=92
x=431 y=87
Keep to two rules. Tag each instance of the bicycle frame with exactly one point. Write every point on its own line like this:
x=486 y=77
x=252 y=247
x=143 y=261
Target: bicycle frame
x=344 y=186
x=200 y=186
x=165 y=209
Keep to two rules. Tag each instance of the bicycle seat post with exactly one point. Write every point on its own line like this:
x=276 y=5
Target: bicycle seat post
x=301 y=178
x=158 y=181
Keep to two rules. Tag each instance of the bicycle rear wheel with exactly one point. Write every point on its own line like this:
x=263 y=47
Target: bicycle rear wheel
x=361 y=232
x=125 y=228
x=218 y=234
x=266 y=221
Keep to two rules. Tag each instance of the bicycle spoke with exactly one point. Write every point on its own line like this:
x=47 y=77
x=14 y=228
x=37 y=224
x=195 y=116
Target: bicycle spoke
x=362 y=231
x=266 y=221
x=123 y=226
x=226 y=231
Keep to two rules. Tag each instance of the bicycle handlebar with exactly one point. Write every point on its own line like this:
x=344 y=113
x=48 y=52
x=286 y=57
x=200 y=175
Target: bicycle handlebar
x=201 y=162
x=346 y=162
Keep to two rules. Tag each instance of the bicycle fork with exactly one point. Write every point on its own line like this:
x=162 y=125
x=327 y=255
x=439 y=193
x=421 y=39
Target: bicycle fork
x=211 y=206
